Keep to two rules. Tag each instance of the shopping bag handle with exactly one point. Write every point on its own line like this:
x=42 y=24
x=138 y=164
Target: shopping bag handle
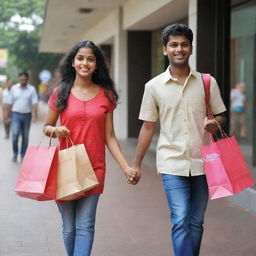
x=67 y=140
x=50 y=142
x=222 y=133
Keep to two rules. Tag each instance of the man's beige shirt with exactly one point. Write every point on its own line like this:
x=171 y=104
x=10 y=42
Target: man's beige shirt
x=181 y=112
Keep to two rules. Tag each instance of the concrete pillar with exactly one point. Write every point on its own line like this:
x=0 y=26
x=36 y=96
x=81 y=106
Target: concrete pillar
x=139 y=72
x=213 y=44
x=120 y=78
x=192 y=23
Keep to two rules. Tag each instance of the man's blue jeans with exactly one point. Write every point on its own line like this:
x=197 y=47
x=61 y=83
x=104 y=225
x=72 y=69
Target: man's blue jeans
x=187 y=199
x=20 y=126
x=78 y=219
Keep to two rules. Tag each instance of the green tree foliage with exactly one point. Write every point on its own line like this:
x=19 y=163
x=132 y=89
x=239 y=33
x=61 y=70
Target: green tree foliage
x=25 y=8
x=23 y=45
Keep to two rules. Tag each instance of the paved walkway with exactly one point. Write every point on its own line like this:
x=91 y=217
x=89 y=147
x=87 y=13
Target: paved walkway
x=131 y=220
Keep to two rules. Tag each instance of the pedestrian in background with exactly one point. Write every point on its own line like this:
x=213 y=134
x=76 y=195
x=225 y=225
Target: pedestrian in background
x=238 y=114
x=6 y=113
x=22 y=101
x=85 y=101
x=177 y=98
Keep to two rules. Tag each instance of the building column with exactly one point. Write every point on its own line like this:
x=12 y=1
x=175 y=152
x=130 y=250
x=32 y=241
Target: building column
x=120 y=78
x=139 y=72
x=213 y=44
x=254 y=114
x=192 y=23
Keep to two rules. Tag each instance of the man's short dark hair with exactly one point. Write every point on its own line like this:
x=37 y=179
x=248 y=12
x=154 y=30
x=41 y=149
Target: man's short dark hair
x=23 y=73
x=176 y=30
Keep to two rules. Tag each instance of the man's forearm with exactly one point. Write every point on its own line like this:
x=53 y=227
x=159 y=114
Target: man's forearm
x=144 y=140
x=34 y=112
x=221 y=119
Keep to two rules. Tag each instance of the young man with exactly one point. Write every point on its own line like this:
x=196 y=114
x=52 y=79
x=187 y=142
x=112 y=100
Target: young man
x=177 y=98
x=23 y=101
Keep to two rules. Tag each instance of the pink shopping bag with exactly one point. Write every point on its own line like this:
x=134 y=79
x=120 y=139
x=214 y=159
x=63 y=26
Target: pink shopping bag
x=225 y=167
x=38 y=174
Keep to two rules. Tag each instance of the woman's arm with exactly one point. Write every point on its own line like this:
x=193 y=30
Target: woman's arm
x=50 y=122
x=114 y=146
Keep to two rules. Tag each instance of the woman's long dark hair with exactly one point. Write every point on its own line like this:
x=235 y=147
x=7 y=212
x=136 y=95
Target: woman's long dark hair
x=100 y=76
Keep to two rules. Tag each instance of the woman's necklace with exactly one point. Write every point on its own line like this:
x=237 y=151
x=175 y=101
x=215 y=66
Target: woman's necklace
x=84 y=91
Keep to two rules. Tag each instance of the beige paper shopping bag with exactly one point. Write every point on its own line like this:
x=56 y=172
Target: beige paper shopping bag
x=75 y=173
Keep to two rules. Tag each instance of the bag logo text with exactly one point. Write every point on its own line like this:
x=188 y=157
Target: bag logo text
x=211 y=157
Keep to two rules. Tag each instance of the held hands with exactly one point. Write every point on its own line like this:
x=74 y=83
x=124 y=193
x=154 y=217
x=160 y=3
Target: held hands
x=210 y=125
x=133 y=175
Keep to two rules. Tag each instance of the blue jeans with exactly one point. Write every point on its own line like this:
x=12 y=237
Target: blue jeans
x=78 y=219
x=187 y=199
x=20 y=126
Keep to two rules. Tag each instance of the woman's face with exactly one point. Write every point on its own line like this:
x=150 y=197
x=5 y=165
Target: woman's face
x=84 y=62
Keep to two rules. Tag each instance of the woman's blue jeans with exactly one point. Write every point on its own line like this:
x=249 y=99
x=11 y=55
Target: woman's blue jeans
x=187 y=199
x=78 y=219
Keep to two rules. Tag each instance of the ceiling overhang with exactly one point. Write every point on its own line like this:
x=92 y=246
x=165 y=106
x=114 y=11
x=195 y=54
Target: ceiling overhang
x=67 y=22
x=64 y=23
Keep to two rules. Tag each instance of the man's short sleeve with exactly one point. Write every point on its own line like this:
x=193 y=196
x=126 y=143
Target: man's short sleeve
x=34 y=97
x=216 y=102
x=149 y=108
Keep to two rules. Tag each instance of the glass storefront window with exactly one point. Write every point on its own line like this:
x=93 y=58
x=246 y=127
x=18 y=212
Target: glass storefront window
x=243 y=42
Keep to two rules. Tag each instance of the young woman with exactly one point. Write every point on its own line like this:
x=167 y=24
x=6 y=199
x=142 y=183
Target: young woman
x=85 y=101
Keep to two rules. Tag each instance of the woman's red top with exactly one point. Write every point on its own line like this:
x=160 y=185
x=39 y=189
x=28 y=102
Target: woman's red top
x=86 y=122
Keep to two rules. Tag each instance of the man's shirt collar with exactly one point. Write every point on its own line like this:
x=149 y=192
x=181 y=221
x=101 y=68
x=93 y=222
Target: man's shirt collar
x=167 y=75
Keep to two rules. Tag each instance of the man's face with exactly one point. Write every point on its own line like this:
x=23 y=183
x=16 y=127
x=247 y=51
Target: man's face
x=178 y=50
x=23 y=80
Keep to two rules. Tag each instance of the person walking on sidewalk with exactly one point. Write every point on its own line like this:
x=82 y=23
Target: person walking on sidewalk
x=85 y=101
x=177 y=98
x=23 y=102
x=6 y=114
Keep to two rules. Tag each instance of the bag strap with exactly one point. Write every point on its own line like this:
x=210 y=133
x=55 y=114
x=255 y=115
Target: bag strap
x=207 y=84
x=50 y=141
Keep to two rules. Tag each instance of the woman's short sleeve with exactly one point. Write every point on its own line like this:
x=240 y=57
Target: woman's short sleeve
x=111 y=105
x=52 y=99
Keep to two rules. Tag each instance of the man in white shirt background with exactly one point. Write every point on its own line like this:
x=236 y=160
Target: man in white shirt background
x=23 y=102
